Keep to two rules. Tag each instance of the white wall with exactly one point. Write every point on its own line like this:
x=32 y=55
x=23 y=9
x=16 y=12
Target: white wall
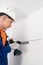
x=28 y=29
x=34 y=30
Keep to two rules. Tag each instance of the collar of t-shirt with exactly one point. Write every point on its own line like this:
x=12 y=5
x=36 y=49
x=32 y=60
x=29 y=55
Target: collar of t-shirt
x=3 y=36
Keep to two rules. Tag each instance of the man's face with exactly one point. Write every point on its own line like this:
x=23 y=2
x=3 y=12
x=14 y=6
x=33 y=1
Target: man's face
x=6 y=22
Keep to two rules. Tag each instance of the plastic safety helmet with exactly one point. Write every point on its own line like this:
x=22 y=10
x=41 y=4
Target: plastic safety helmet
x=8 y=10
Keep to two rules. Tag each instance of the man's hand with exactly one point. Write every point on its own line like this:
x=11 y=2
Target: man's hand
x=14 y=46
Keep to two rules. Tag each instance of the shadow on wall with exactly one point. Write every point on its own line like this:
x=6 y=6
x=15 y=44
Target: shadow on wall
x=17 y=32
x=17 y=60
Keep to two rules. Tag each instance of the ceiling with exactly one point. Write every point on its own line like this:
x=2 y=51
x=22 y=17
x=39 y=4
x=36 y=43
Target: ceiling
x=23 y=7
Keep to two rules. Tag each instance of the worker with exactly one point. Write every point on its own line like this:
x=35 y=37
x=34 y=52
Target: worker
x=7 y=16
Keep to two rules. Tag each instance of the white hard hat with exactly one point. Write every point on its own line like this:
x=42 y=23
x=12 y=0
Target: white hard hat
x=8 y=10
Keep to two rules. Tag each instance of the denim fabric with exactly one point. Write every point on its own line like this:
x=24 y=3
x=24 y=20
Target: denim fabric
x=4 y=50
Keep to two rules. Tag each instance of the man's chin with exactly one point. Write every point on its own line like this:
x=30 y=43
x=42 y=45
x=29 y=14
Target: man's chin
x=6 y=28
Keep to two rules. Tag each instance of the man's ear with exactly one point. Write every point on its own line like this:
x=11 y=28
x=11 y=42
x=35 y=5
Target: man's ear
x=3 y=17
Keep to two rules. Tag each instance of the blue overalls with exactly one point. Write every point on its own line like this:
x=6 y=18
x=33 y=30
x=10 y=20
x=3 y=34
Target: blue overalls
x=4 y=50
